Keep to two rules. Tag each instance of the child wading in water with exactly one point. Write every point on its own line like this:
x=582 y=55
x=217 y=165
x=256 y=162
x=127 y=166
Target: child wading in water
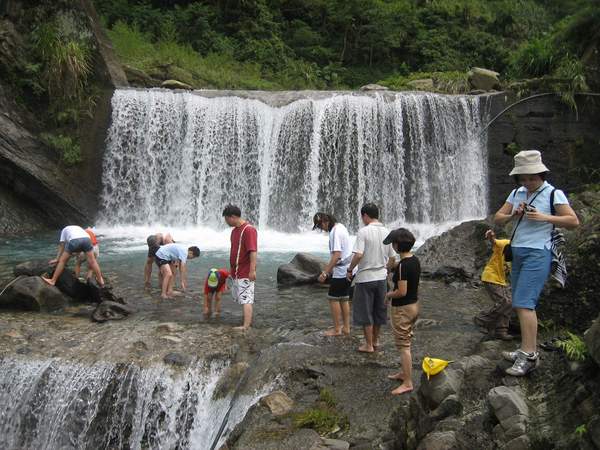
x=497 y=318
x=214 y=286
x=405 y=303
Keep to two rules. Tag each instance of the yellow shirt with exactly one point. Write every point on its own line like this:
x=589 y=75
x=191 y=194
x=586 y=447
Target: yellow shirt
x=495 y=272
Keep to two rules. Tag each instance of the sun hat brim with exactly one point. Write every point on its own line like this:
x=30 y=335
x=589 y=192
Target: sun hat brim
x=529 y=169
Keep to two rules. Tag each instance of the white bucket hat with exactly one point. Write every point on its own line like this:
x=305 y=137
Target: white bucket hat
x=528 y=162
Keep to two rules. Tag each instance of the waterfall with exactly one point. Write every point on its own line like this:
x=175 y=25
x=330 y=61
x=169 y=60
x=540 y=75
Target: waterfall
x=50 y=404
x=177 y=158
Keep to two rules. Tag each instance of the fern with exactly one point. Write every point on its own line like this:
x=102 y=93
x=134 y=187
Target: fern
x=574 y=347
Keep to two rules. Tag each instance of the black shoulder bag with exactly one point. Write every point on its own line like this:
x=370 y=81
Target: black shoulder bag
x=508 y=256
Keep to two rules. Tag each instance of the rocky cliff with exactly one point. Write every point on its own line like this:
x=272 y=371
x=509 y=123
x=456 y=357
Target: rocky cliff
x=36 y=189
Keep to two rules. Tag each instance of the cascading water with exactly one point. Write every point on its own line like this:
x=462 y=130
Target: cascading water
x=51 y=404
x=177 y=158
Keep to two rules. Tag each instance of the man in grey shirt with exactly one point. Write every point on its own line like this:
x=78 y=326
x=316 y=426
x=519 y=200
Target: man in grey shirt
x=372 y=258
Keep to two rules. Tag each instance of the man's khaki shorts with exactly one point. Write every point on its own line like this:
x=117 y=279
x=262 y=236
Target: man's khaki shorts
x=403 y=321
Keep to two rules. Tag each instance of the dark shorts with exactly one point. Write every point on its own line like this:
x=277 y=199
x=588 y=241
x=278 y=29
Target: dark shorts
x=339 y=289
x=160 y=261
x=368 y=303
x=79 y=245
x=153 y=245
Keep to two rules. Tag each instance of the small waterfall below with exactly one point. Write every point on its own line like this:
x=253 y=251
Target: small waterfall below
x=179 y=157
x=52 y=404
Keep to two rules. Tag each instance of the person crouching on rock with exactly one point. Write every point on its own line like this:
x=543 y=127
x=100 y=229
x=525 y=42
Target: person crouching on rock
x=167 y=256
x=74 y=239
x=405 y=303
x=340 y=249
x=496 y=319
x=214 y=285
x=81 y=257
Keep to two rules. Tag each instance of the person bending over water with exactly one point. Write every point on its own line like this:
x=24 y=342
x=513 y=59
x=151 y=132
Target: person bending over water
x=81 y=257
x=154 y=242
x=166 y=257
x=214 y=285
x=74 y=239
x=340 y=250
x=405 y=303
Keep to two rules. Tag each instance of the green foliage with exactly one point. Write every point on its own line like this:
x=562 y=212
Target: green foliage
x=513 y=148
x=574 y=347
x=326 y=396
x=67 y=147
x=65 y=54
x=444 y=82
x=580 y=431
x=322 y=420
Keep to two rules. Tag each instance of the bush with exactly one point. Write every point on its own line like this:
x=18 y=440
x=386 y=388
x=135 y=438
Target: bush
x=66 y=146
x=535 y=58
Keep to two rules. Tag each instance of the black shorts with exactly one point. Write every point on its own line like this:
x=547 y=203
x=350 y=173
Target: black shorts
x=339 y=289
x=153 y=245
x=160 y=261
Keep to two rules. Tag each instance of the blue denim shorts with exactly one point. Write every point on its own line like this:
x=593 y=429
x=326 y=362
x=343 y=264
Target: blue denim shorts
x=79 y=245
x=530 y=270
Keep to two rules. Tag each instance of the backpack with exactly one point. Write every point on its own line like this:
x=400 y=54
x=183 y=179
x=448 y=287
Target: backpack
x=214 y=277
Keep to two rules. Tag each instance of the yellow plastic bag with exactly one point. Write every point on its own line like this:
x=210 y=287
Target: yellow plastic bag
x=433 y=366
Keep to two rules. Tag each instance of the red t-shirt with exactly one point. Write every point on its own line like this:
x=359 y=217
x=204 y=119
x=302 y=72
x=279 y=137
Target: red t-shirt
x=223 y=274
x=249 y=244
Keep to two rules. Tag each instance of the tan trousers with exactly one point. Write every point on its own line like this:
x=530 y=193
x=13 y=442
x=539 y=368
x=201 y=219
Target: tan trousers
x=403 y=322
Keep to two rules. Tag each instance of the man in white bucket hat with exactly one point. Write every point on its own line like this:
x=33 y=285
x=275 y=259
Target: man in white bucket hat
x=538 y=207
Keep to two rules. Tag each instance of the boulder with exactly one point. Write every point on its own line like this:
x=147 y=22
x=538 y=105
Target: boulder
x=33 y=294
x=336 y=444
x=303 y=269
x=174 y=84
x=70 y=285
x=436 y=389
x=520 y=443
x=483 y=79
x=139 y=78
x=425 y=84
x=458 y=254
x=507 y=402
x=230 y=379
x=32 y=268
x=108 y=310
x=278 y=403
x=439 y=440
x=592 y=340
x=177 y=359
x=374 y=87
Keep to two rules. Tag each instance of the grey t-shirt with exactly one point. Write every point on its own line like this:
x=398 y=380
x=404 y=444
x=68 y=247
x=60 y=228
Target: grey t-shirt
x=369 y=242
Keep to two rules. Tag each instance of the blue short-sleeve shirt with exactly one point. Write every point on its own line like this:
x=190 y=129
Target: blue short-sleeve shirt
x=533 y=234
x=173 y=252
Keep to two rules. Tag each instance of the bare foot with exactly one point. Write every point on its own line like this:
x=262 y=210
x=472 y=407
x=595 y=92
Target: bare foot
x=49 y=281
x=176 y=294
x=366 y=349
x=332 y=332
x=166 y=297
x=346 y=331
x=396 y=376
x=402 y=389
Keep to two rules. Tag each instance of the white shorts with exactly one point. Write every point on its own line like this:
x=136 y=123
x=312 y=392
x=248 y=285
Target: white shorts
x=242 y=291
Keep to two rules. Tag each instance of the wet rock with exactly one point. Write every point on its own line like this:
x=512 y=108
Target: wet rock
x=174 y=84
x=278 y=403
x=303 y=269
x=111 y=311
x=336 y=444
x=374 y=87
x=507 y=402
x=520 y=443
x=177 y=359
x=33 y=294
x=70 y=285
x=169 y=327
x=439 y=440
x=483 y=79
x=230 y=379
x=450 y=406
x=592 y=340
x=458 y=254
x=440 y=386
x=35 y=267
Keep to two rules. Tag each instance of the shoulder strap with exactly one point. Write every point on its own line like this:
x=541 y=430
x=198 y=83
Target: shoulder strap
x=521 y=218
x=552 y=208
x=237 y=258
x=514 y=192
